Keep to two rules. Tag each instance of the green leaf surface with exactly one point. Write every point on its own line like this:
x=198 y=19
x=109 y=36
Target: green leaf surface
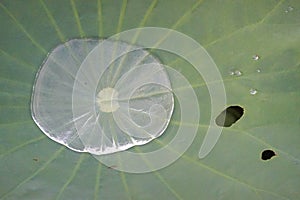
x=35 y=167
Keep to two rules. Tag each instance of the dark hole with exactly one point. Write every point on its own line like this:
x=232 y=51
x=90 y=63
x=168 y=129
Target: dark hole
x=267 y=154
x=229 y=116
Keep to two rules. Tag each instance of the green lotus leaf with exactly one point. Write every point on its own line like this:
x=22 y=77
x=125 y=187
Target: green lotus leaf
x=267 y=87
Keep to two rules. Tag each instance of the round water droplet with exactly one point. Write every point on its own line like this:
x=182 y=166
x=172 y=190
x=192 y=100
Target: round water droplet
x=101 y=96
x=289 y=9
x=253 y=91
x=255 y=57
x=238 y=73
x=231 y=73
x=235 y=72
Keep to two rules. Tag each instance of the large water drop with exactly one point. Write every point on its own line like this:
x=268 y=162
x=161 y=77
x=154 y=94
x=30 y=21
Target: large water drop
x=101 y=96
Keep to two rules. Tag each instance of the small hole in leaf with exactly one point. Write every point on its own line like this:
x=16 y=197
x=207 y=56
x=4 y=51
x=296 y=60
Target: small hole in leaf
x=229 y=116
x=267 y=154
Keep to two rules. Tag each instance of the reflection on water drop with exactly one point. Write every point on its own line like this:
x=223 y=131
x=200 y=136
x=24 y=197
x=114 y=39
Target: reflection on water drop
x=258 y=70
x=255 y=57
x=253 y=91
x=107 y=100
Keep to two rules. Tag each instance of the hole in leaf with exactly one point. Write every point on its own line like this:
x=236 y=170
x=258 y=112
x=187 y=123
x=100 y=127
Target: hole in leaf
x=267 y=154
x=229 y=116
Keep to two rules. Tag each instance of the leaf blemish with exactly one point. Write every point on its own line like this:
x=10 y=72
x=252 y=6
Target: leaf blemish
x=267 y=154
x=229 y=116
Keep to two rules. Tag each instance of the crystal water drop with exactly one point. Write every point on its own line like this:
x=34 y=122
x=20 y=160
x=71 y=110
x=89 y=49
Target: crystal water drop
x=90 y=101
x=238 y=73
x=253 y=91
x=235 y=72
x=231 y=73
x=255 y=57
x=289 y=9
